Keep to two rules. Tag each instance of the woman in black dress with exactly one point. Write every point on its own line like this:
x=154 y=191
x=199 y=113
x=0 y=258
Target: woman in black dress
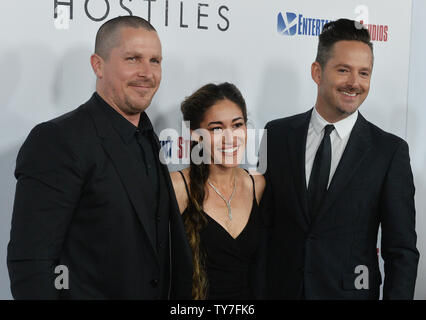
x=218 y=199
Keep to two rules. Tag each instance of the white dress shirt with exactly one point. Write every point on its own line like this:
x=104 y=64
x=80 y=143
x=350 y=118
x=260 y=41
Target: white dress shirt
x=339 y=138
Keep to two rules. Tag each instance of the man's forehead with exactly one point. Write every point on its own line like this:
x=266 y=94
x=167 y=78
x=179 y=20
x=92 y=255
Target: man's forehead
x=351 y=46
x=129 y=35
x=129 y=43
x=351 y=52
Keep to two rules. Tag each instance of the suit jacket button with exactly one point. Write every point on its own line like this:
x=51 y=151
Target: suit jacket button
x=154 y=283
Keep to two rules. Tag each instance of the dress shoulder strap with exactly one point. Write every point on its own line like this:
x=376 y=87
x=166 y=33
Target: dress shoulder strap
x=184 y=180
x=252 y=180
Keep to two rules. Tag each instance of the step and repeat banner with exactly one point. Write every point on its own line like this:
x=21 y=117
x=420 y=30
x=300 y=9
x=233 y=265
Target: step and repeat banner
x=265 y=48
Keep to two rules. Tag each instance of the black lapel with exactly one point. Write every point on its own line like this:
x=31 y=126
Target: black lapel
x=297 y=147
x=133 y=178
x=357 y=148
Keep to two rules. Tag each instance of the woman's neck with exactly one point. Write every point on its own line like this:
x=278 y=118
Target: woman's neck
x=222 y=176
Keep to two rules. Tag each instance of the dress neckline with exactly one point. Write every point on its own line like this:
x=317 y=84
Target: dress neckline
x=254 y=203
x=253 y=206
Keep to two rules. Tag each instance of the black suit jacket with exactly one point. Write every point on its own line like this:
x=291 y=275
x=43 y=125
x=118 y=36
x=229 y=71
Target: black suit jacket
x=372 y=186
x=82 y=201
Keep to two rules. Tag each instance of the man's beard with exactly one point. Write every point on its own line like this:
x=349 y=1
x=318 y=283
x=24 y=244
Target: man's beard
x=344 y=112
x=132 y=109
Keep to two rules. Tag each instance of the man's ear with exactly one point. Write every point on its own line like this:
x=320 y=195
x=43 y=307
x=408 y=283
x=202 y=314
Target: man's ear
x=316 y=72
x=97 y=65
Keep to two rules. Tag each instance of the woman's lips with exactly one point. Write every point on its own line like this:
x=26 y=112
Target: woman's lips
x=229 y=151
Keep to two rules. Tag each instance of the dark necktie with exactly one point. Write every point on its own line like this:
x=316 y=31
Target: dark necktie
x=320 y=173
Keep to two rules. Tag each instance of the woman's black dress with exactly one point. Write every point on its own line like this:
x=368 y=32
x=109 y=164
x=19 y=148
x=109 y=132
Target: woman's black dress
x=230 y=262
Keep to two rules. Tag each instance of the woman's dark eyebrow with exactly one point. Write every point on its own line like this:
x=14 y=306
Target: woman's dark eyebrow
x=215 y=122
x=221 y=123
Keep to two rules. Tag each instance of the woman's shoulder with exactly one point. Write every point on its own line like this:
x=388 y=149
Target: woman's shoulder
x=180 y=187
x=259 y=183
x=177 y=179
x=259 y=180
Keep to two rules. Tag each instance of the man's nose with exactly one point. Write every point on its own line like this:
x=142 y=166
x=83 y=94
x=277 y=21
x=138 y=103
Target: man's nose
x=145 y=69
x=353 y=81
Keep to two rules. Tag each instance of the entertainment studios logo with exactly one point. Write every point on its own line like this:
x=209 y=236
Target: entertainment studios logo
x=292 y=24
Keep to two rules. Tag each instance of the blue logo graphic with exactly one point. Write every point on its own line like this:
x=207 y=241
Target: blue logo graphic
x=287 y=25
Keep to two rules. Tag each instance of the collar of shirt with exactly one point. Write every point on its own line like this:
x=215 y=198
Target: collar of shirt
x=343 y=127
x=123 y=126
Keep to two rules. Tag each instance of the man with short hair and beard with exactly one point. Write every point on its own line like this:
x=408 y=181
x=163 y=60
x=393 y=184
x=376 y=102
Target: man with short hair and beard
x=333 y=181
x=91 y=193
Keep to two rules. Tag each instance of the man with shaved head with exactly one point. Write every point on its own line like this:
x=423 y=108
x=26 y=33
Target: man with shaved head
x=95 y=216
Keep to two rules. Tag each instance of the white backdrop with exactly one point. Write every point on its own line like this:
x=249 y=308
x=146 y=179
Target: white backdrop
x=416 y=132
x=45 y=68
